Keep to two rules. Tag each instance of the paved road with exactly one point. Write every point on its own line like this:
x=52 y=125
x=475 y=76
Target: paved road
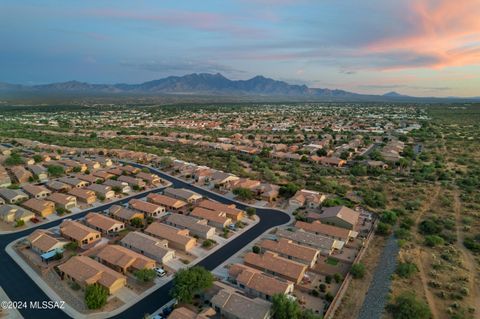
x=20 y=287
x=376 y=299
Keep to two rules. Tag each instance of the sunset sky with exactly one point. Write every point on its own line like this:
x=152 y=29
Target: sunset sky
x=415 y=47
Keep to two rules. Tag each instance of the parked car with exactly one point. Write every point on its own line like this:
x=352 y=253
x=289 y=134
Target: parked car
x=160 y=272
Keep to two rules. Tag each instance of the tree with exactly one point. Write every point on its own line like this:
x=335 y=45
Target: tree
x=136 y=222
x=407 y=306
x=433 y=240
x=383 y=229
x=243 y=193
x=37 y=158
x=256 y=249
x=95 y=296
x=358 y=270
x=93 y=135
x=322 y=152
x=406 y=270
x=14 y=159
x=166 y=162
x=285 y=308
x=288 y=190
x=145 y=275
x=389 y=217
x=251 y=211
x=55 y=170
x=188 y=282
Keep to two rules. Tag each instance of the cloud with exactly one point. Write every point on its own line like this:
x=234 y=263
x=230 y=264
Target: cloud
x=402 y=86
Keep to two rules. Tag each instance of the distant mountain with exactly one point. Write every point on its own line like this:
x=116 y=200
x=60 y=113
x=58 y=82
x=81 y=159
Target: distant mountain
x=203 y=84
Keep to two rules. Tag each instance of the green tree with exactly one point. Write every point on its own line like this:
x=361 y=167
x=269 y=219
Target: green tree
x=322 y=152
x=95 y=296
x=37 y=158
x=383 y=229
x=145 y=275
x=251 y=211
x=406 y=269
x=288 y=190
x=434 y=240
x=243 y=193
x=190 y=281
x=256 y=249
x=55 y=170
x=285 y=308
x=358 y=270
x=389 y=217
x=407 y=306
x=136 y=222
x=14 y=159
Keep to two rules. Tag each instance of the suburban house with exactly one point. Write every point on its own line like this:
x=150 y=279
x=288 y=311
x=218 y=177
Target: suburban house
x=104 y=224
x=104 y=175
x=149 y=246
x=83 y=195
x=73 y=182
x=102 y=191
x=122 y=186
x=150 y=179
x=304 y=197
x=12 y=213
x=91 y=179
x=340 y=216
x=331 y=231
x=325 y=244
x=21 y=175
x=36 y=191
x=129 y=169
x=219 y=178
x=230 y=304
x=124 y=260
x=257 y=283
x=183 y=194
x=177 y=238
x=132 y=181
x=13 y=196
x=5 y=180
x=275 y=265
x=39 y=170
x=197 y=227
x=215 y=218
x=232 y=212
x=202 y=175
x=242 y=183
x=170 y=204
x=149 y=209
x=288 y=249
x=43 y=241
x=57 y=186
x=86 y=271
x=63 y=201
x=78 y=232
x=40 y=206
x=115 y=171
x=124 y=214
x=268 y=192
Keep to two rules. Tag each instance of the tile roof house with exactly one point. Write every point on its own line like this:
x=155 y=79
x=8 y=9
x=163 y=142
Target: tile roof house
x=268 y=192
x=325 y=244
x=73 y=182
x=304 y=197
x=40 y=206
x=150 y=179
x=103 y=223
x=275 y=265
x=232 y=212
x=78 y=232
x=243 y=183
x=13 y=196
x=124 y=260
x=21 y=175
x=102 y=191
x=103 y=175
x=57 y=186
x=220 y=178
x=43 y=241
x=257 y=283
x=149 y=209
x=91 y=179
x=197 y=227
x=340 y=216
x=124 y=214
x=63 y=201
x=86 y=271
x=129 y=169
x=83 y=195
x=183 y=194
x=171 y=204
x=123 y=186
x=149 y=246
x=132 y=181
x=12 y=213
x=215 y=218
x=331 y=231
x=288 y=249
x=232 y=305
x=5 y=180
x=36 y=191
x=177 y=238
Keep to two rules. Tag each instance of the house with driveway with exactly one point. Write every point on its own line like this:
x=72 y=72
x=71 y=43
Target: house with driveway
x=149 y=246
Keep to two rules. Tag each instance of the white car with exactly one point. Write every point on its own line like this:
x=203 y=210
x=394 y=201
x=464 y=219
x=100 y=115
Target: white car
x=160 y=272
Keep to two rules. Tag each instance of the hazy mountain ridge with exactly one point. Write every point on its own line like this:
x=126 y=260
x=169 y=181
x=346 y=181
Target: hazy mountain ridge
x=207 y=84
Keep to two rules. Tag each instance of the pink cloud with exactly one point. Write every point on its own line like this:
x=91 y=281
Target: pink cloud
x=446 y=31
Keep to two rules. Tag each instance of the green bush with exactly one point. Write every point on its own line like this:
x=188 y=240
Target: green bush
x=433 y=240
x=406 y=270
x=95 y=296
x=407 y=306
x=358 y=270
x=145 y=275
x=383 y=229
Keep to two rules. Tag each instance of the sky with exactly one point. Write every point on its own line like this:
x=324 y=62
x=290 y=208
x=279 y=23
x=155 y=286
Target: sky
x=415 y=47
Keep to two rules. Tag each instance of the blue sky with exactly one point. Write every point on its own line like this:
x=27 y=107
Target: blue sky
x=418 y=47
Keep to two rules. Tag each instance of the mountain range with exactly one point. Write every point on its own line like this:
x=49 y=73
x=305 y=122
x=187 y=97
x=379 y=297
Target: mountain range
x=206 y=84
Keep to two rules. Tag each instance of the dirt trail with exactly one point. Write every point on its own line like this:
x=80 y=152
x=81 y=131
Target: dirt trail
x=468 y=260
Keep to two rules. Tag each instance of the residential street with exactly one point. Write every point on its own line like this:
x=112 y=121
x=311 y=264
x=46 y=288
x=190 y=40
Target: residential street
x=19 y=287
